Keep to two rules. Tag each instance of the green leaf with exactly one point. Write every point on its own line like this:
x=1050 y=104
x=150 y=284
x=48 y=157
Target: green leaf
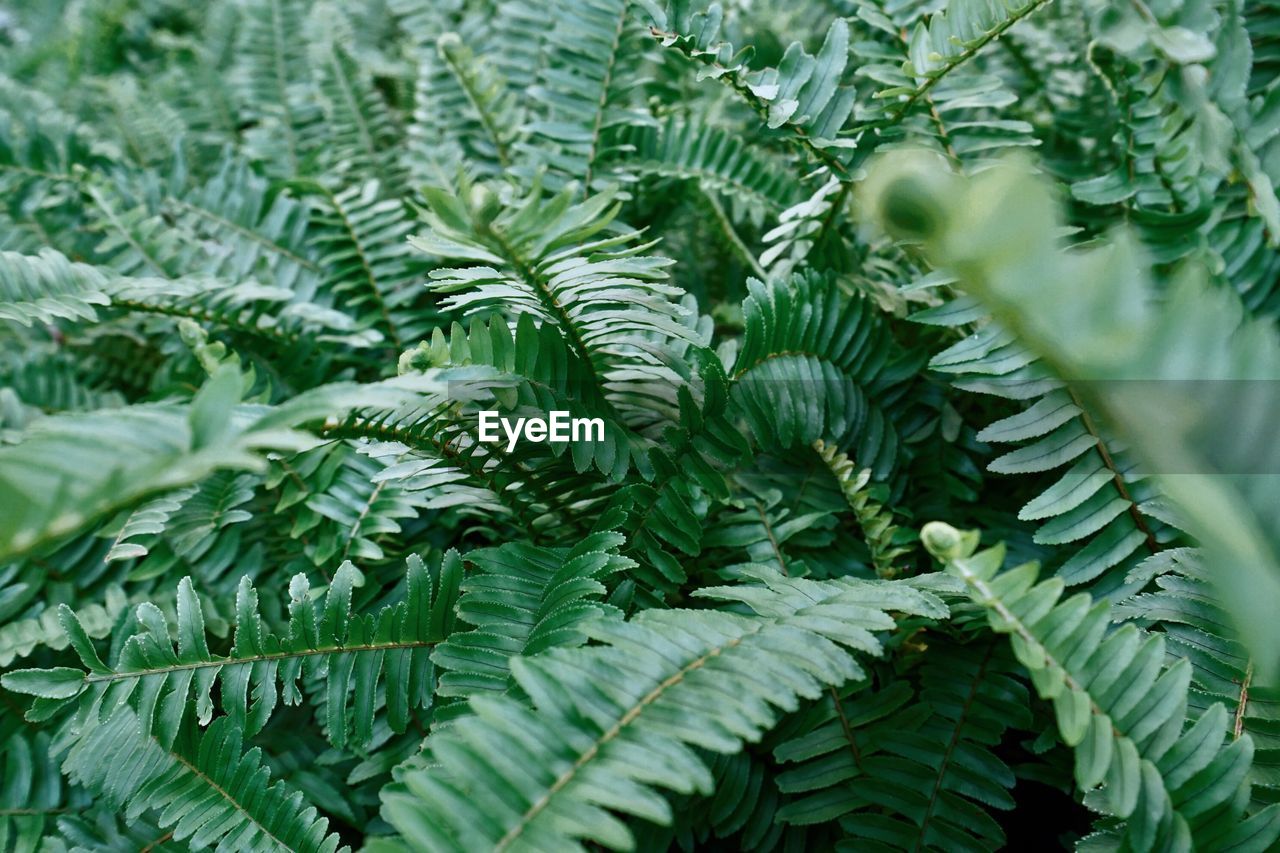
x=58 y=683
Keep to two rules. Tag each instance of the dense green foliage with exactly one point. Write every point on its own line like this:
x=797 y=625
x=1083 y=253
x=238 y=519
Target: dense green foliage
x=872 y=298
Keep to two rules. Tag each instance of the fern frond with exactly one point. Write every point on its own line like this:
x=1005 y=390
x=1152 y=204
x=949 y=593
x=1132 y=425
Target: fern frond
x=1185 y=607
x=200 y=535
x=54 y=490
x=48 y=287
x=438 y=448
x=33 y=793
x=355 y=654
x=808 y=369
x=361 y=136
x=949 y=39
x=550 y=260
x=274 y=73
x=146 y=130
x=522 y=600
x=885 y=540
x=341 y=502
x=20 y=637
x=52 y=380
x=587 y=87
x=754 y=184
x=868 y=760
x=804 y=95
x=360 y=244
x=1120 y=706
x=102 y=830
x=463 y=113
x=1193 y=353
x=260 y=231
x=614 y=722
x=149 y=519
x=1098 y=496
x=202 y=785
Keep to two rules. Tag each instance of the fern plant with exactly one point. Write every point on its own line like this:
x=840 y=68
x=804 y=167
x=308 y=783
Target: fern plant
x=836 y=281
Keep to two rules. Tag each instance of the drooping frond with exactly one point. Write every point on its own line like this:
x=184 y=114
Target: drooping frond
x=1121 y=706
x=149 y=519
x=342 y=503
x=1094 y=493
x=53 y=490
x=439 y=450
x=48 y=287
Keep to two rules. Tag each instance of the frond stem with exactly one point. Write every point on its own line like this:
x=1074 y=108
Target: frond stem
x=773 y=541
x=613 y=731
x=303 y=653
x=951 y=747
x=846 y=728
x=953 y=63
x=598 y=120
x=1242 y=703
x=369 y=275
x=1116 y=476
x=247 y=233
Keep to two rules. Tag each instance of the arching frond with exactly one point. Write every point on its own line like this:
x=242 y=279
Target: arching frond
x=1121 y=707
x=739 y=670
x=53 y=491
x=1119 y=340
x=754 y=185
x=810 y=368
x=587 y=89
